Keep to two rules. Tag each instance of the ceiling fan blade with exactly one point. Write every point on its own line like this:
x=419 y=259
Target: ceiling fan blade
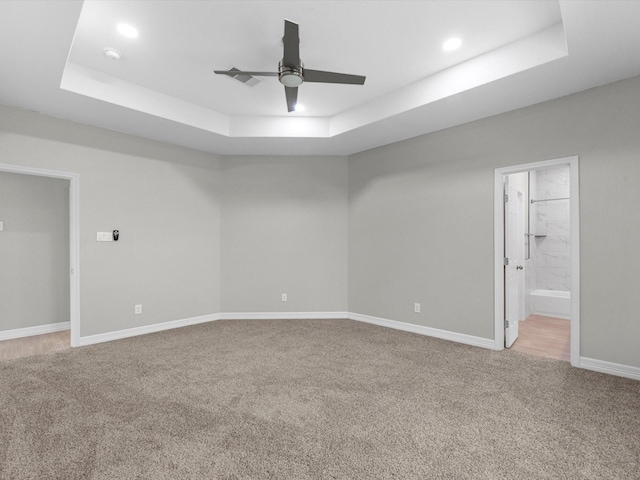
x=319 y=76
x=233 y=73
x=291 y=42
x=292 y=98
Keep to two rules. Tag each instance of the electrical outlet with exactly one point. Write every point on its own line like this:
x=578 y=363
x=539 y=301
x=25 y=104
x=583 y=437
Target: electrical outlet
x=138 y=309
x=284 y=297
x=104 y=237
x=416 y=307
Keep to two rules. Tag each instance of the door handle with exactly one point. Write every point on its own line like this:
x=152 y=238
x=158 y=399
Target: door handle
x=519 y=267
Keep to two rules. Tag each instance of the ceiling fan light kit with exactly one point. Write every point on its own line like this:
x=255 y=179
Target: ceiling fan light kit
x=291 y=72
x=290 y=77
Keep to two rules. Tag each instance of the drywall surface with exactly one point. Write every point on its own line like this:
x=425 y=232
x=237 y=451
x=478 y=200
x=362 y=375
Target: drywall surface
x=163 y=200
x=284 y=230
x=421 y=217
x=34 y=251
x=418 y=221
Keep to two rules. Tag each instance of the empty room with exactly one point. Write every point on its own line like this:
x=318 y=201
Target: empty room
x=319 y=239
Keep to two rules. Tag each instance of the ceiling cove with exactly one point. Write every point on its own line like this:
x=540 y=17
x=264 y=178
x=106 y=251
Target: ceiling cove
x=59 y=58
x=167 y=69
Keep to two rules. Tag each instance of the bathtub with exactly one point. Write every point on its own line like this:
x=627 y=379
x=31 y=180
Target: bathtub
x=551 y=303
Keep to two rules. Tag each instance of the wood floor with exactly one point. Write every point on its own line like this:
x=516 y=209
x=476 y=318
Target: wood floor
x=34 y=345
x=545 y=337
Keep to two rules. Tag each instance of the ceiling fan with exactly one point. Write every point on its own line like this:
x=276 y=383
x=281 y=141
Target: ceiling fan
x=292 y=73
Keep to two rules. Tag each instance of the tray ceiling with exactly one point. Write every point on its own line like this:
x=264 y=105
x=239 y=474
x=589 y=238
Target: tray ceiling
x=513 y=54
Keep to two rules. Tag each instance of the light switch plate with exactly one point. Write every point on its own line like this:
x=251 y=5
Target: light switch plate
x=105 y=237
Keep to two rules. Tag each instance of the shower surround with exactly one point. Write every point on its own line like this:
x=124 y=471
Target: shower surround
x=550 y=262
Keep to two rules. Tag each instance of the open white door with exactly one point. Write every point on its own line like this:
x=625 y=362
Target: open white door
x=514 y=261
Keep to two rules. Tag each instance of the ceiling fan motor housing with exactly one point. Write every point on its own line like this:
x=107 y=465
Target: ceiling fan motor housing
x=290 y=76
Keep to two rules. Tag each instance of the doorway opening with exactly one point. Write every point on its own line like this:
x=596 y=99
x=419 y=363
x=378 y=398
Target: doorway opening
x=536 y=251
x=74 y=244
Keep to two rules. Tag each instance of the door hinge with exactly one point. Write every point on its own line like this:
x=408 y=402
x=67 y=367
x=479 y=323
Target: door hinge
x=506 y=261
x=506 y=324
x=506 y=198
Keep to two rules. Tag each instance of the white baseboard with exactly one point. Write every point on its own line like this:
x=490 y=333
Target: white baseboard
x=610 y=368
x=428 y=331
x=30 y=331
x=159 y=327
x=586 y=363
x=408 y=327
x=156 y=327
x=282 y=315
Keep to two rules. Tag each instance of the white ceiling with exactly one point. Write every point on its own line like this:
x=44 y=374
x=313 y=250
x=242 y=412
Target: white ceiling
x=514 y=53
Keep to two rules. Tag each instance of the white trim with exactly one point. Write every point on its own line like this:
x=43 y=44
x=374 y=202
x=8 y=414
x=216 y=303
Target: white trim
x=610 y=368
x=156 y=327
x=31 y=331
x=38 y=172
x=574 y=225
x=74 y=257
x=498 y=253
x=74 y=237
x=422 y=330
x=282 y=315
x=159 y=327
x=498 y=223
x=407 y=327
x=587 y=363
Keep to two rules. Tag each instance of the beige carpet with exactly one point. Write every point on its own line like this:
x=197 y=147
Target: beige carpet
x=298 y=399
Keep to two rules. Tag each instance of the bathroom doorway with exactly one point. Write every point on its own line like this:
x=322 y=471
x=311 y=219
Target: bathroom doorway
x=537 y=259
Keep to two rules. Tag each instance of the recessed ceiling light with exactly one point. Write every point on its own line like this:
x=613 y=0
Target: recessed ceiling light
x=300 y=107
x=127 y=30
x=451 y=44
x=112 y=53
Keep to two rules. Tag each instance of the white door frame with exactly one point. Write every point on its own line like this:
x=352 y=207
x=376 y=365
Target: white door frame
x=74 y=238
x=498 y=222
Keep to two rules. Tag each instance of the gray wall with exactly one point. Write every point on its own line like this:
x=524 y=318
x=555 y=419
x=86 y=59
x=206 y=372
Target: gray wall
x=421 y=217
x=418 y=221
x=163 y=199
x=34 y=251
x=284 y=230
